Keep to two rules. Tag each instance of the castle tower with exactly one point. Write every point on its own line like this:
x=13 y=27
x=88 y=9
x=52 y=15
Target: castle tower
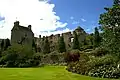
x=21 y=35
x=81 y=34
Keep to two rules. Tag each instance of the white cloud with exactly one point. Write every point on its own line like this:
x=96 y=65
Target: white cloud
x=71 y=17
x=38 y=13
x=75 y=22
x=55 y=32
x=83 y=20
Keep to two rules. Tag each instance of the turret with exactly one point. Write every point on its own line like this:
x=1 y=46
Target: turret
x=39 y=36
x=16 y=23
x=29 y=26
x=79 y=30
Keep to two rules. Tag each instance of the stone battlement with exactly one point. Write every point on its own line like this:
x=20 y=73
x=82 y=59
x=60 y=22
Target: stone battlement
x=68 y=38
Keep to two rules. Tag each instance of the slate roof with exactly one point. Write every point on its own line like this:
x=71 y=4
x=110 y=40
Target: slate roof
x=22 y=28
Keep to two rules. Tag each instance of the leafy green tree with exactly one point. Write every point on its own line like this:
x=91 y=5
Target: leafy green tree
x=97 y=37
x=85 y=42
x=0 y=53
x=46 y=46
x=7 y=43
x=110 y=25
x=116 y=2
x=111 y=17
x=16 y=56
x=61 y=45
x=2 y=45
x=89 y=41
x=75 y=41
x=91 y=38
x=34 y=46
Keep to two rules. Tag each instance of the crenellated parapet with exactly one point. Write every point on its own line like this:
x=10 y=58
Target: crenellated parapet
x=68 y=39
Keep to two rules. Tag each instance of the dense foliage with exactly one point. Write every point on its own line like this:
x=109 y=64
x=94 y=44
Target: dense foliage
x=34 y=46
x=99 y=52
x=96 y=66
x=61 y=45
x=7 y=44
x=105 y=71
x=72 y=56
x=97 y=38
x=18 y=56
x=75 y=41
x=53 y=58
x=2 y=45
x=80 y=66
x=110 y=25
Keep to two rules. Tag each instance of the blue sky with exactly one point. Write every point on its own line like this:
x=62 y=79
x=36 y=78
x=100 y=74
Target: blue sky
x=51 y=16
x=84 y=13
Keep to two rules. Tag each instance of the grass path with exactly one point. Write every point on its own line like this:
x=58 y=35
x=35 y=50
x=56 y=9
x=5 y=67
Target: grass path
x=44 y=73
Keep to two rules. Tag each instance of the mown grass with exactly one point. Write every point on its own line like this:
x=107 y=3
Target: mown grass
x=43 y=73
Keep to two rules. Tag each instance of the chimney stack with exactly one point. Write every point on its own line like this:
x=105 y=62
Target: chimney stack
x=29 y=26
x=16 y=23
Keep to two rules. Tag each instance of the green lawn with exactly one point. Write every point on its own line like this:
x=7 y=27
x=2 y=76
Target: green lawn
x=44 y=73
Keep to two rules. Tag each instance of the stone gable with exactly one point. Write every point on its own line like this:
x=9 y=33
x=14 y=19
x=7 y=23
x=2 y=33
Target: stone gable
x=21 y=35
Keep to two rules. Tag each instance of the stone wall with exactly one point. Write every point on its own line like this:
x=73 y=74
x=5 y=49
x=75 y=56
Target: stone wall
x=68 y=36
x=53 y=40
x=81 y=35
x=67 y=39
